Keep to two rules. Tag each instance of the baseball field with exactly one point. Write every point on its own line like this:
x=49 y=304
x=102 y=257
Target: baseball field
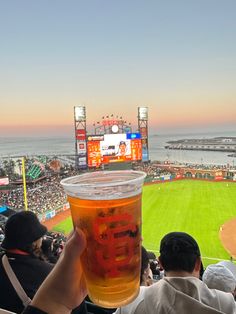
x=197 y=207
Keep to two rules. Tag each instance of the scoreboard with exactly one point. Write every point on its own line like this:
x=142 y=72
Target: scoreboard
x=108 y=148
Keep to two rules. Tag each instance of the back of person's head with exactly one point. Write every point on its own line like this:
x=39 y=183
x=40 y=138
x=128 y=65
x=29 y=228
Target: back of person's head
x=47 y=249
x=154 y=265
x=22 y=230
x=218 y=276
x=151 y=256
x=178 y=252
x=47 y=246
x=144 y=265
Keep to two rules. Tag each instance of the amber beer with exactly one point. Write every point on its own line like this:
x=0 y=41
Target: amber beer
x=107 y=207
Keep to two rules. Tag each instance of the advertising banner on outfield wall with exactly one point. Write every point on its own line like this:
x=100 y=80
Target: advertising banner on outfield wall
x=50 y=214
x=4 y=181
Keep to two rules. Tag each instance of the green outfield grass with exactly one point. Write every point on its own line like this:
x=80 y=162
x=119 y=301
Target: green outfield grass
x=196 y=207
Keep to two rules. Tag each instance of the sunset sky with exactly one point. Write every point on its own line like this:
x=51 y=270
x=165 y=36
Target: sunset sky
x=177 y=57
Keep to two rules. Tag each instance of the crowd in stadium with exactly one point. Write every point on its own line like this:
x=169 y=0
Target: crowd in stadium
x=152 y=169
x=206 y=167
x=175 y=283
x=45 y=195
x=156 y=168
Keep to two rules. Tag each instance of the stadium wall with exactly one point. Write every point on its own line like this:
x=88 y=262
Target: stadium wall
x=52 y=213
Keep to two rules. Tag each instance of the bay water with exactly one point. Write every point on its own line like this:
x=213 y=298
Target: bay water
x=55 y=146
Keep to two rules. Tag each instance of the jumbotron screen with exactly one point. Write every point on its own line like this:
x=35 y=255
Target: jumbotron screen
x=107 y=148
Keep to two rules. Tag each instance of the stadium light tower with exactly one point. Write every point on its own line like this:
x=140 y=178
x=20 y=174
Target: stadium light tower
x=80 y=137
x=143 y=130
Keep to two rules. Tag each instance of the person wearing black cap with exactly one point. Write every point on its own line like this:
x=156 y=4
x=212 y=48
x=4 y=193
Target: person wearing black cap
x=22 y=242
x=181 y=291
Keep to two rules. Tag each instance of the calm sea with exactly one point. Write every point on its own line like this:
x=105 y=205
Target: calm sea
x=18 y=146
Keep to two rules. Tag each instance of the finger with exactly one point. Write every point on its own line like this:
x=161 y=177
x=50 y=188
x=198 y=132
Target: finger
x=75 y=245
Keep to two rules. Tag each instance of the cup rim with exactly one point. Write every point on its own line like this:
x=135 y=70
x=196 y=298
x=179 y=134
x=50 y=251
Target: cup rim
x=140 y=176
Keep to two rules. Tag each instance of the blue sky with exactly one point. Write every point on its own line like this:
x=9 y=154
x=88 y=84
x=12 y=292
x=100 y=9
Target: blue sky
x=176 y=57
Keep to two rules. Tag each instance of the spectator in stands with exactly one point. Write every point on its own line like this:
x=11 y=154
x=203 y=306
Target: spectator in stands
x=181 y=291
x=151 y=256
x=145 y=280
x=156 y=271
x=52 y=245
x=145 y=273
x=47 y=250
x=221 y=276
x=22 y=243
x=65 y=287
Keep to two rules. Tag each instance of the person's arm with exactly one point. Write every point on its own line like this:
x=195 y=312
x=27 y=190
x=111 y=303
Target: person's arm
x=64 y=288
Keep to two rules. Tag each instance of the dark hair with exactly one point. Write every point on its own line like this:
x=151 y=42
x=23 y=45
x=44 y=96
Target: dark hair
x=155 y=268
x=201 y=271
x=47 y=246
x=33 y=251
x=122 y=143
x=144 y=262
x=47 y=250
x=151 y=255
x=179 y=251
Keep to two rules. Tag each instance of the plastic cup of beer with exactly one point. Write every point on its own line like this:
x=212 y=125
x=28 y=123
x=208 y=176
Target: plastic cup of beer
x=106 y=205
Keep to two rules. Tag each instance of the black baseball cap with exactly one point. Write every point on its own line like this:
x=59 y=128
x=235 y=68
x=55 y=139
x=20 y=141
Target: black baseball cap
x=22 y=229
x=175 y=243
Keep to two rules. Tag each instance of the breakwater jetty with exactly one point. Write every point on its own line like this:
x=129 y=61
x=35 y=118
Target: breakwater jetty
x=224 y=144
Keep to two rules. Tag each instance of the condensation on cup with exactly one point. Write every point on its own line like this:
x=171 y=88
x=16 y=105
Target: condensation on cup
x=106 y=205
